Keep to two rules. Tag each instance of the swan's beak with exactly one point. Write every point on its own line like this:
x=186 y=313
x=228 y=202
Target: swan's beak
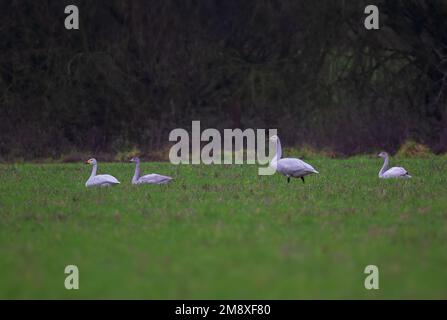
x=86 y=162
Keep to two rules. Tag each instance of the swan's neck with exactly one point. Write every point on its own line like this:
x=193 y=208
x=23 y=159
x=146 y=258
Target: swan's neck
x=136 y=176
x=278 y=153
x=94 y=168
x=277 y=156
x=384 y=167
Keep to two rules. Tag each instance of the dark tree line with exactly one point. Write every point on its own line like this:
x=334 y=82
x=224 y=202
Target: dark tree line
x=138 y=69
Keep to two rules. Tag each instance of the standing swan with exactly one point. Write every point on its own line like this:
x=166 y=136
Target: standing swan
x=102 y=180
x=149 y=178
x=289 y=167
x=394 y=172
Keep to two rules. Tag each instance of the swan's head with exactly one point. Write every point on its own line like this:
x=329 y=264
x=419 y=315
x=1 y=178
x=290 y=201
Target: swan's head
x=135 y=159
x=274 y=138
x=383 y=154
x=91 y=161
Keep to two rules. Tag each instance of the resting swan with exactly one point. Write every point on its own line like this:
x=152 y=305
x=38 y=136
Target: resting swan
x=289 y=167
x=394 y=172
x=102 y=180
x=149 y=178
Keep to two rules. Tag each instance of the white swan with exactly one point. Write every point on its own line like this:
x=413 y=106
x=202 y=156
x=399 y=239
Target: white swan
x=102 y=180
x=394 y=172
x=289 y=167
x=149 y=178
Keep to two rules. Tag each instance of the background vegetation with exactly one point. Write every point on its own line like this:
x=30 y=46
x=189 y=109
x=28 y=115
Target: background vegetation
x=137 y=69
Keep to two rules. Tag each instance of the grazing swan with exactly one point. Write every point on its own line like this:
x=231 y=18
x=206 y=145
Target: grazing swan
x=289 y=167
x=394 y=172
x=149 y=178
x=102 y=180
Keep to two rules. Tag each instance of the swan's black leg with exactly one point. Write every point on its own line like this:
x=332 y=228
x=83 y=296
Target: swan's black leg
x=302 y=178
x=288 y=179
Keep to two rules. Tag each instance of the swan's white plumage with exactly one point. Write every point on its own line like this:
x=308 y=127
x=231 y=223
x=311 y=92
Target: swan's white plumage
x=294 y=167
x=101 y=180
x=152 y=178
x=289 y=167
x=394 y=172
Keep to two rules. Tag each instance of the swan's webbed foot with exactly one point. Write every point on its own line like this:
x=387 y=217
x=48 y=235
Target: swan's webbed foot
x=302 y=178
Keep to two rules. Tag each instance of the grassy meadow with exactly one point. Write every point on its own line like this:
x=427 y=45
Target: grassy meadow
x=221 y=232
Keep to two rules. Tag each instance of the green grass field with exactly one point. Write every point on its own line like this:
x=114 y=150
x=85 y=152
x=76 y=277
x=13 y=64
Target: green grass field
x=221 y=232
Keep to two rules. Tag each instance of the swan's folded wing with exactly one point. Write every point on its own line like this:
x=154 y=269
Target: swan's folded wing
x=293 y=165
x=395 y=172
x=102 y=179
x=154 y=178
x=107 y=178
x=309 y=168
